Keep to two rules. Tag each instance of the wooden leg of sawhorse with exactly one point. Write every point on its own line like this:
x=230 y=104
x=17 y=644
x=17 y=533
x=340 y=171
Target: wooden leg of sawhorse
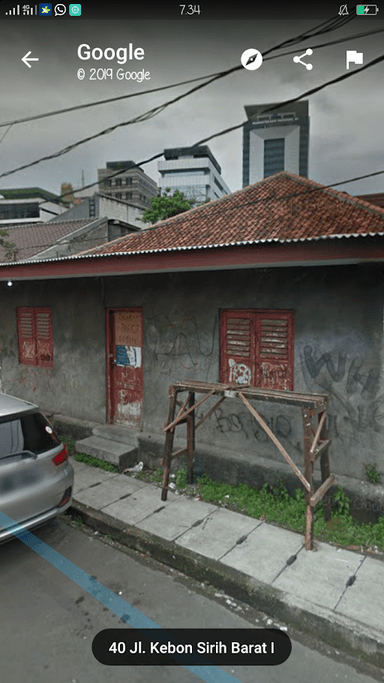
x=190 y=440
x=168 y=444
x=308 y=473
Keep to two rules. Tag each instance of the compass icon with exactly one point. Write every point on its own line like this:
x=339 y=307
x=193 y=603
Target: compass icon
x=251 y=59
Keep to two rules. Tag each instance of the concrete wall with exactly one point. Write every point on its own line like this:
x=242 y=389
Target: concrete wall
x=338 y=320
x=76 y=385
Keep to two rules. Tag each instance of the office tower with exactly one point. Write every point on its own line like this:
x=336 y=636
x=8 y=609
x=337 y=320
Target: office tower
x=194 y=171
x=275 y=140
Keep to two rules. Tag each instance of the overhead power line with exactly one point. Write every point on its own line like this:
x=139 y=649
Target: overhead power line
x=312 y=91
x=263 y=200
x=324 y=27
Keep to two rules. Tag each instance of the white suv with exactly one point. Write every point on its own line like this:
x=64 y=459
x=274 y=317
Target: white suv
x=36 y=478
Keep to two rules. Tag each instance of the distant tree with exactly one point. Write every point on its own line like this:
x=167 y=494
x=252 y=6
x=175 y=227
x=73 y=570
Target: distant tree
x=166 y=205
x=8 y=246
x=67 y=196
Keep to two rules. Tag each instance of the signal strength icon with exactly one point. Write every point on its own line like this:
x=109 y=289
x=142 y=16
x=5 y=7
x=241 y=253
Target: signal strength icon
x=22 y=11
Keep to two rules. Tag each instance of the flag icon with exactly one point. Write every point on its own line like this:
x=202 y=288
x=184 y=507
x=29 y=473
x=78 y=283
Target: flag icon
x=353 y=57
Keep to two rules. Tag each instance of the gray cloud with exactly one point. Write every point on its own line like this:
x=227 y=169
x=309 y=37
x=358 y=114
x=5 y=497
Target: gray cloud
x=346 y=120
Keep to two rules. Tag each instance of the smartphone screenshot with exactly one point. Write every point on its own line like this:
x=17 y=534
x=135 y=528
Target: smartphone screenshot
x=191 y=342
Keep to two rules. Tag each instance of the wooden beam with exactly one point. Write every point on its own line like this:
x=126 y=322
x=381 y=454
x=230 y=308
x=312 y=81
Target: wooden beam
x=275 y=441
x=322 y=490
x=184 y=404
x=178 y=453
x=187 y=412
x=318 y=431
x=209 y=413
x=323 y=447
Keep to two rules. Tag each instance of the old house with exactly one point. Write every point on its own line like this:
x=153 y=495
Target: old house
x=60 y=237
x=279 y=285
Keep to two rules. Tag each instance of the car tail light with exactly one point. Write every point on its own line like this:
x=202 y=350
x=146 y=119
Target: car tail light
x=66 y=497
x=61 y=457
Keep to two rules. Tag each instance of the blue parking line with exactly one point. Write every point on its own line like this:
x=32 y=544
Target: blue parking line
x=132 y=616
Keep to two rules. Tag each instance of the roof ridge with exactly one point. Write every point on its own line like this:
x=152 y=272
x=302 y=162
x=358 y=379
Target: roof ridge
x=344 y=196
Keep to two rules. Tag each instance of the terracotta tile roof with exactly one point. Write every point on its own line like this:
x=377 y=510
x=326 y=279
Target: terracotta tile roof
x=283 y=207
x=376 y=199
x=33 y=238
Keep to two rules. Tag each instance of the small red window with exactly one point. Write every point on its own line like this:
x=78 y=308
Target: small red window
x=257 y=348
x=34 y=327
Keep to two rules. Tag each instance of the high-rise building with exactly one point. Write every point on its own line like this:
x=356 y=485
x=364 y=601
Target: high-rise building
x=131 y=185
x=29 y=205
x=275 y=140
x=194 y=171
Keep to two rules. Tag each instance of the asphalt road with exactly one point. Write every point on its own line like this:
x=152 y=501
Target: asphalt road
x=47 y=622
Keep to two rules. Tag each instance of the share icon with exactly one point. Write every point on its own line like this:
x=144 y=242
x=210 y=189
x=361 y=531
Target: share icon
x=298 y=60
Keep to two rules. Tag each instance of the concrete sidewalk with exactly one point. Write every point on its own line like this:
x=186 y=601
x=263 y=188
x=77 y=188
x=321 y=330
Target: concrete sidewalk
x=332 y=594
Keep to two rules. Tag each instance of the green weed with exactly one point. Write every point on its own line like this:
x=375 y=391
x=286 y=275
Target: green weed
x=181 y=478
x=155 y=477
x=372 y=474
x=70 y=444
x=343 y=502
x=95 y=462
x=274 y=504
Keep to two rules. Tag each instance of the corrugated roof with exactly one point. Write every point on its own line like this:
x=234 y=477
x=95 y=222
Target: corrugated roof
x=282 y=208
x=32 y=238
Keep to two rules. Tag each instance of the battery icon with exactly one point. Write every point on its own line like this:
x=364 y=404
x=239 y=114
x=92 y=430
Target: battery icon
x=366 y=9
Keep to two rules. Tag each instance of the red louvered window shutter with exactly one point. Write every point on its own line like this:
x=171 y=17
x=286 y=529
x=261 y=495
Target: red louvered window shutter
x=34 y=326
x=26 y=335
x=274 y=350
x=44 y=342
x=257 y=348
x=237 y=347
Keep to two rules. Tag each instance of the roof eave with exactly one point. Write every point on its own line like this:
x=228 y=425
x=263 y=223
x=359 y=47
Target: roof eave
x=267 y=254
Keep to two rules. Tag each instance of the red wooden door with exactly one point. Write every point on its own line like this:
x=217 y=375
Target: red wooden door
x=125 y=366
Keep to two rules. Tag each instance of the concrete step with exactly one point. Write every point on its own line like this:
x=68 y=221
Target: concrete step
x=117 y=433
x=119 y=454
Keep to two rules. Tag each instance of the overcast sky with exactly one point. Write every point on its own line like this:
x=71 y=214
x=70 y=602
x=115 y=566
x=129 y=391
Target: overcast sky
x=346 y=120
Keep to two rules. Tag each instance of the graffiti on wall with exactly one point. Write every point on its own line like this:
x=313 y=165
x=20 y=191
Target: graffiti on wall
x=243 y=424
x=352 y=387
x=239 y=372
x=179 y=344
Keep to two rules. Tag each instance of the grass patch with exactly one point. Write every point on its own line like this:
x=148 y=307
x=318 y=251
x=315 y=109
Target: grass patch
x=181 y=478
x=70 y=444
x=152 y=477
x=79 y=522
x=95 y=462
x=275 y=505
x=372 y=474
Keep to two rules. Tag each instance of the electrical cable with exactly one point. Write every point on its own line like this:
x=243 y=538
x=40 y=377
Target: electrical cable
x=322 y=28
x=312 y=91
x=77 y=107
x=292 y=195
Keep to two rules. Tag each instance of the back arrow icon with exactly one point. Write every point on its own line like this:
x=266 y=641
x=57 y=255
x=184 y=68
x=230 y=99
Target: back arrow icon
x=26 y=59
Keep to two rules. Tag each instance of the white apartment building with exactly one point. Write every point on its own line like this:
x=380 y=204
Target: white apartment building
x=194 y=171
